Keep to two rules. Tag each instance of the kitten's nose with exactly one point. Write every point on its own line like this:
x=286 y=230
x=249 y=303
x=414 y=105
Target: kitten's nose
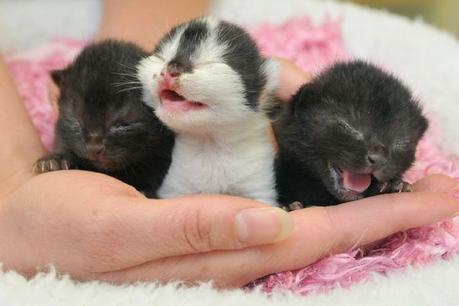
x=170 y=74
x=376 y=159
x=95 y=150
x=377 y=156
x=174 y=69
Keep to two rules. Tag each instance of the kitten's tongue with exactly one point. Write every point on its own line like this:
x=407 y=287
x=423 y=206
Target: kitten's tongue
x=358 y=182
x=174 y=102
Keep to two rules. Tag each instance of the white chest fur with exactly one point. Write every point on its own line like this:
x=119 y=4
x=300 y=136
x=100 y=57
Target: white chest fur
x=238 y=162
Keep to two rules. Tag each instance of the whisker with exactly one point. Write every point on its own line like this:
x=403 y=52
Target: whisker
x=128 y=89
x=128 y=67
x=155 y=59
x=125 y=74
x=119 y=84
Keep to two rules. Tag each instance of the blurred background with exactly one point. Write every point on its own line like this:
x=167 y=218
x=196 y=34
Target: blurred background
x=444 y=14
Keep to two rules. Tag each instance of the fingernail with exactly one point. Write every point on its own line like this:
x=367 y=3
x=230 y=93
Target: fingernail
x=263 y=225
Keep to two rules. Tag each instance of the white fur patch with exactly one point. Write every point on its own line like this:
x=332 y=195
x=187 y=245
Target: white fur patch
x=232 y=161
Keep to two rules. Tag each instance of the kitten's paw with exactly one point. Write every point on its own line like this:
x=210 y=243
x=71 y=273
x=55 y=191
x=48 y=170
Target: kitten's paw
x=293 y=206
x=52 y=162
x=395 y=186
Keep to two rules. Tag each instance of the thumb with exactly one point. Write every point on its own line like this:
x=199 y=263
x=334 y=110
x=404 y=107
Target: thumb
x=148 y=230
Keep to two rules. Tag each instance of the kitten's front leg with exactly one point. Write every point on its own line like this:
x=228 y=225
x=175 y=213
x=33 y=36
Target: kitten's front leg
x=395 y=186
x=53 y=162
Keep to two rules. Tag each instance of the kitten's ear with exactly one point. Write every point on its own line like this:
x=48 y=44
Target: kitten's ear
x=56 y=76
x=299 y=102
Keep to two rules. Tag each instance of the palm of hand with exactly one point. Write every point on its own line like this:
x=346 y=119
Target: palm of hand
x=63 y=212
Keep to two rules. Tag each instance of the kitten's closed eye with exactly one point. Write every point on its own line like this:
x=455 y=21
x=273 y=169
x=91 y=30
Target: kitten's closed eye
x=72 y=124
x=403 y=144
x=125 y=127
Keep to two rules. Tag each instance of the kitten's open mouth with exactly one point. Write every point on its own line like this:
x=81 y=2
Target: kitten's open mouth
x=173 y=102
x=356 y=182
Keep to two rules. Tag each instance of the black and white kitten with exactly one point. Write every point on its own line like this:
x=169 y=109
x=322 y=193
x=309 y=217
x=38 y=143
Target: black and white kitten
x=207 y=81
x=352 y=132
x=103 y=125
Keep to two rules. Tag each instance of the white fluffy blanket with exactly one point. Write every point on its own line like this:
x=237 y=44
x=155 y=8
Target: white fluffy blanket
x=429 y=286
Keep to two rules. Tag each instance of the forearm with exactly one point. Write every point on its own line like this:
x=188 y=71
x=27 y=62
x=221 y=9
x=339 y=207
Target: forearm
x=145 y=21
x=21 y=146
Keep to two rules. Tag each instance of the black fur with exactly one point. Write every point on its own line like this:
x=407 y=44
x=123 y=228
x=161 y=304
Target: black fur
x=195 y=32
x=353 y=116
x=101 y=116
x=244 y=57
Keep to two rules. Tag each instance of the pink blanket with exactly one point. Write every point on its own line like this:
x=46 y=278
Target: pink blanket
x=312 y=48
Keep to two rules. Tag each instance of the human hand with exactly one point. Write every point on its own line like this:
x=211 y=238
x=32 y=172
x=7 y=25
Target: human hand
x=291 y=78
x=319 y=232
x=95 y=227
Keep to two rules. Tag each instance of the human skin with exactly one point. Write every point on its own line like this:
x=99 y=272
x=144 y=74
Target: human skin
x=92 y=226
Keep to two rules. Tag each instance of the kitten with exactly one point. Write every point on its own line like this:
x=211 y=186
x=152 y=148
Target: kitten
x=103 y=125
x=351 y=133
x=207 y=81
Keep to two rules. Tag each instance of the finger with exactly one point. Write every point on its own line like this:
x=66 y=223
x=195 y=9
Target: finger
x=318 y=232
x=148 y=229
x=435 y=182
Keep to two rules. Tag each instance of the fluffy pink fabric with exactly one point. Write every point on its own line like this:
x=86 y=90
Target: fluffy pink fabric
x=312 y=48
x=30 y=72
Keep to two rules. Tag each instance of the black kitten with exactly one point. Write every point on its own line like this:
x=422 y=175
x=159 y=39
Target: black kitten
x=352 y=132
x=103 y=125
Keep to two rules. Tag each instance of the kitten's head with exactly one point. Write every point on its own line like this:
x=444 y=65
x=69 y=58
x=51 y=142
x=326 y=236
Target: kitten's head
x=352 y=125
x=205 y=74
x=101 y=115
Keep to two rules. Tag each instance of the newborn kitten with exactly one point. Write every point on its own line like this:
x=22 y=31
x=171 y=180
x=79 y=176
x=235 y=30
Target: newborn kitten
x=351 y=133
x=207 y=81
x=103 y=125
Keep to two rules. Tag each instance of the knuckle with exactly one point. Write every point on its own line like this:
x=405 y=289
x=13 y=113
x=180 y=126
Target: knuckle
x=196 y=231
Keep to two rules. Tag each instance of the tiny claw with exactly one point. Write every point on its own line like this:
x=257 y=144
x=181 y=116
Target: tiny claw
x=384 y=187
x=65 y=165
x=37 y=167
x=406 y=187
x=395 y=186
x=295 y=206
x=53 y=165
x=52 y=162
